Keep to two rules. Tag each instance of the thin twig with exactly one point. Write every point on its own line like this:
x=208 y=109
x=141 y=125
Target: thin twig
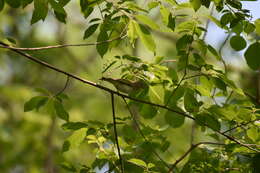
x=185 y=70
x=189 y=151
x=142 y=134
x=193 y=76
x=115 y=132
x=65 y=86
x=60 y=45
x=220 y=51
x=228 y=98
x=43 y=63
x=240 y=125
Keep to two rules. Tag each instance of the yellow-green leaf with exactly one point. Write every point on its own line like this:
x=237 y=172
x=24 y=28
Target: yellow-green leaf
x=195 y=4
x=147 y=21
x=145 y=36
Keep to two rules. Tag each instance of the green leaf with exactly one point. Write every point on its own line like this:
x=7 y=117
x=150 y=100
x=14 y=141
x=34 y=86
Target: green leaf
x=59 y=11
x=152 y=5
x=171 y=22
x=252 y=56
x=205 y=87
x=66 y=146
x=174 y=119
x=214 y=52
x=86 y=9
x=183 y=43
x=237 y=43
x=35 y=103
x=73 y=125
x=40 y=10
x=57 y=7
x=226 y=18
x=186 y=27
x=249 y=27
x=156 y=94
x=60 y=111
x=253 y=133
x=195 y=4
x=209 y=120
x=147 y=21
x=171 y=97
x=77 y=137
x=2 y=4
x=13 y=3
x=68 y=167
x=257 y=25
x=148 y=111
x=165 y=14
x=229 y=112
x=238 y=28
x=145 y=36
x=102 y=48
x=131 y=32
x=26 y=2
x=219 y=83
x=216 y=21
x=190 y=102
x=129 y=133
x=11 y=40
x=138 y=162
x=90 y=31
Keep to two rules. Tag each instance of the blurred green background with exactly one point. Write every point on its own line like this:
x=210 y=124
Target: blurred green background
x=25 y=144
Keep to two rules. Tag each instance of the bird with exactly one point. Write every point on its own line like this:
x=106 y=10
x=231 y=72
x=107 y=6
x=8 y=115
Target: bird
x=126 y=86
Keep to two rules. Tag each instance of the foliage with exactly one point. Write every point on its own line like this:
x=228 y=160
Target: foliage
x=157 y=94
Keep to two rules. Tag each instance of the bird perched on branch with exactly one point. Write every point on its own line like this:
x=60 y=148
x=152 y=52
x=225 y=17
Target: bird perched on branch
x=126 y=86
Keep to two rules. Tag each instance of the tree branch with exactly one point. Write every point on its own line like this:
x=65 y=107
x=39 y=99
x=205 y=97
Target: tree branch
x=115 y=132
x=3 y=45
x=189 y=151
x=240 y=125
x=60 y=45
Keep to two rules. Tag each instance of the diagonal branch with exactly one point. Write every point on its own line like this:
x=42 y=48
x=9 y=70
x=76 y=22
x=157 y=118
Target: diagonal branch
x=189 y=151
x=115 y=131
x=43 y=63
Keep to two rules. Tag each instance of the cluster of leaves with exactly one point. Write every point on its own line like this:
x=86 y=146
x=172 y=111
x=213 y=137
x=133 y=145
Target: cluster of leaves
x=171 y=85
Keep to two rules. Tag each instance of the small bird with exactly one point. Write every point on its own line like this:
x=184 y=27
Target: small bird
x=126 y=86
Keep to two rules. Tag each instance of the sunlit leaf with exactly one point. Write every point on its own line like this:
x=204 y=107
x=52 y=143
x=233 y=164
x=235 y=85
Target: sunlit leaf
x=253 y=133
x=257 y=25
x=147 y=21
x=77 y=137
x=145 y=36
x=156 y=94
x=195 y=4
x=138 y=162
